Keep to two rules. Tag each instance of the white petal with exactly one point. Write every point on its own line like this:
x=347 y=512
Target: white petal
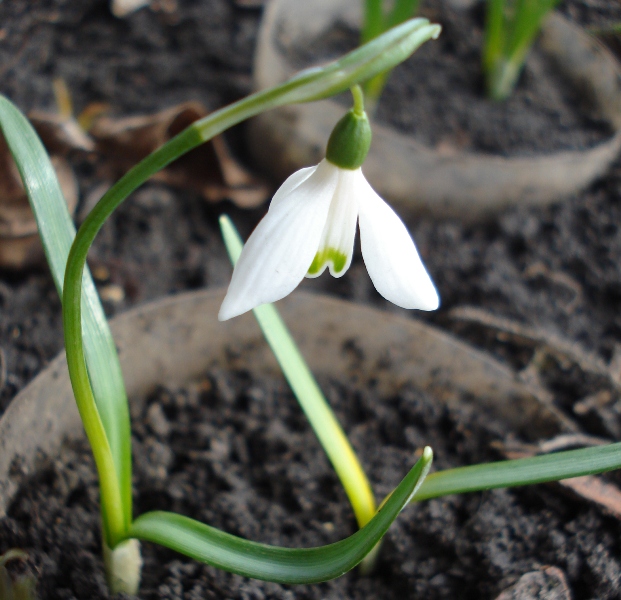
x=281 y=248
x=391 y=256
x=290 y=184
x=336 y=247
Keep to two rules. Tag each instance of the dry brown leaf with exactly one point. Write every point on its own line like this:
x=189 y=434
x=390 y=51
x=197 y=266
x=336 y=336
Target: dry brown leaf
x=549 y=583
x=19 y=239
x=124 y=8
x=60 y=134
x=59 y=131
x=595 y=489
x=209 y=169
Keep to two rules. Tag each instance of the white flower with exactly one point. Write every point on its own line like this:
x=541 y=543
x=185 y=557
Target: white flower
x=311 y=225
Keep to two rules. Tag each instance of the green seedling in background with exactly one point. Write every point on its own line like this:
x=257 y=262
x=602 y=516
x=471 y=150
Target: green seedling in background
x=510 y=30
x=377 y=19
x=511 y=27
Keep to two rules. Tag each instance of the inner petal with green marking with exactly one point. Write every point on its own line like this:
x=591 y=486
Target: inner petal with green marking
x=336 y=245
x=334 y=256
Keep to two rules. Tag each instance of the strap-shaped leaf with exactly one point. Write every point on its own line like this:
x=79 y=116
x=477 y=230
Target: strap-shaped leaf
x=273 y=563
x=523 y=471
x=57 y=232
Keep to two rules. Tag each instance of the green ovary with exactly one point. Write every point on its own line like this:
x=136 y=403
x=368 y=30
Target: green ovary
x=325 y=255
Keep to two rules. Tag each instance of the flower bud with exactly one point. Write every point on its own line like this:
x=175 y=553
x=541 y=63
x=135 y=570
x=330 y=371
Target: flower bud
x=350 y=140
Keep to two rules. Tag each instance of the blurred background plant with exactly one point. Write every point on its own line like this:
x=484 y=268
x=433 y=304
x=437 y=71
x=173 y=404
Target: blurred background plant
x=511 y=27
x=510 y=30
x=377 y=19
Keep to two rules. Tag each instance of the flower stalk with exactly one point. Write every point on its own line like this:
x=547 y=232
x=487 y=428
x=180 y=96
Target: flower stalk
x=309 y=395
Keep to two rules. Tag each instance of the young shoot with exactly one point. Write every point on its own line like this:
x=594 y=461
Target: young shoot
x=510 y=30
x=18 y=580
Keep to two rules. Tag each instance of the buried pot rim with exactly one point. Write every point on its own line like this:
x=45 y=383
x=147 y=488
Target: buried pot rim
x=175 y=339
x=418 y=178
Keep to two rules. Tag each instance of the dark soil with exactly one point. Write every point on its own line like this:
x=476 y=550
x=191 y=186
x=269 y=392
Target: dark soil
x=556 y=270
x=237 y=453
x=439 y=93
x=163 y=241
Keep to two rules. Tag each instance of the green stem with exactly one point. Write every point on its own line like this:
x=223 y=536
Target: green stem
x=376 y=22
x=402 y=11
x=113 y=516
x=316 y=408
x=358 y=95
x=502 y=79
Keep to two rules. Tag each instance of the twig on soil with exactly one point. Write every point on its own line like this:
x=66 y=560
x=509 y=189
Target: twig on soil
x=562 y=349
x=566 y=441
x=538 y=269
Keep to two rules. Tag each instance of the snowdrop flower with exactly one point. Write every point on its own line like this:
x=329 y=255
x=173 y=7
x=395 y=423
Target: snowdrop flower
x=311 y=226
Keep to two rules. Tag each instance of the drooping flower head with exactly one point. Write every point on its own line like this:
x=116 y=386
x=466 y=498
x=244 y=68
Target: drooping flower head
x=311 y=226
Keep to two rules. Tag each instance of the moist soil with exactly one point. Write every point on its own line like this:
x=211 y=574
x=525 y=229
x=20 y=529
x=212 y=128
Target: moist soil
x=554 y=270
x=236 y=452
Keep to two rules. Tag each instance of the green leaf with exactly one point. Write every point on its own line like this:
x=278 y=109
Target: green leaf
x=510 y=29
x=57 y=233
x=524 y=471
x=272 y=563
x=373 y=21
x=308 y=393
x=402 y=10
x=381 y=54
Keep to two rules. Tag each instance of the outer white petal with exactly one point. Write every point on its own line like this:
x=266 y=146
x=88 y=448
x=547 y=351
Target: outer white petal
x=281 y=248
x=336 y=247
x=391 y=256
x=292 y=182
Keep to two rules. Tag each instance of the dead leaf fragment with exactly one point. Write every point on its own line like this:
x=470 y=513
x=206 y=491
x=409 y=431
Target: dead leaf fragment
x=590 y=487
x=123 y=8
x=209 y=169
x=549 y=583
x=60 y=134
x=19 y=239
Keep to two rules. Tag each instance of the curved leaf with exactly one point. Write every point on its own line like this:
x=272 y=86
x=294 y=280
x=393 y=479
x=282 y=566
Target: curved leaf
x=273 y=563
x=57 y=233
